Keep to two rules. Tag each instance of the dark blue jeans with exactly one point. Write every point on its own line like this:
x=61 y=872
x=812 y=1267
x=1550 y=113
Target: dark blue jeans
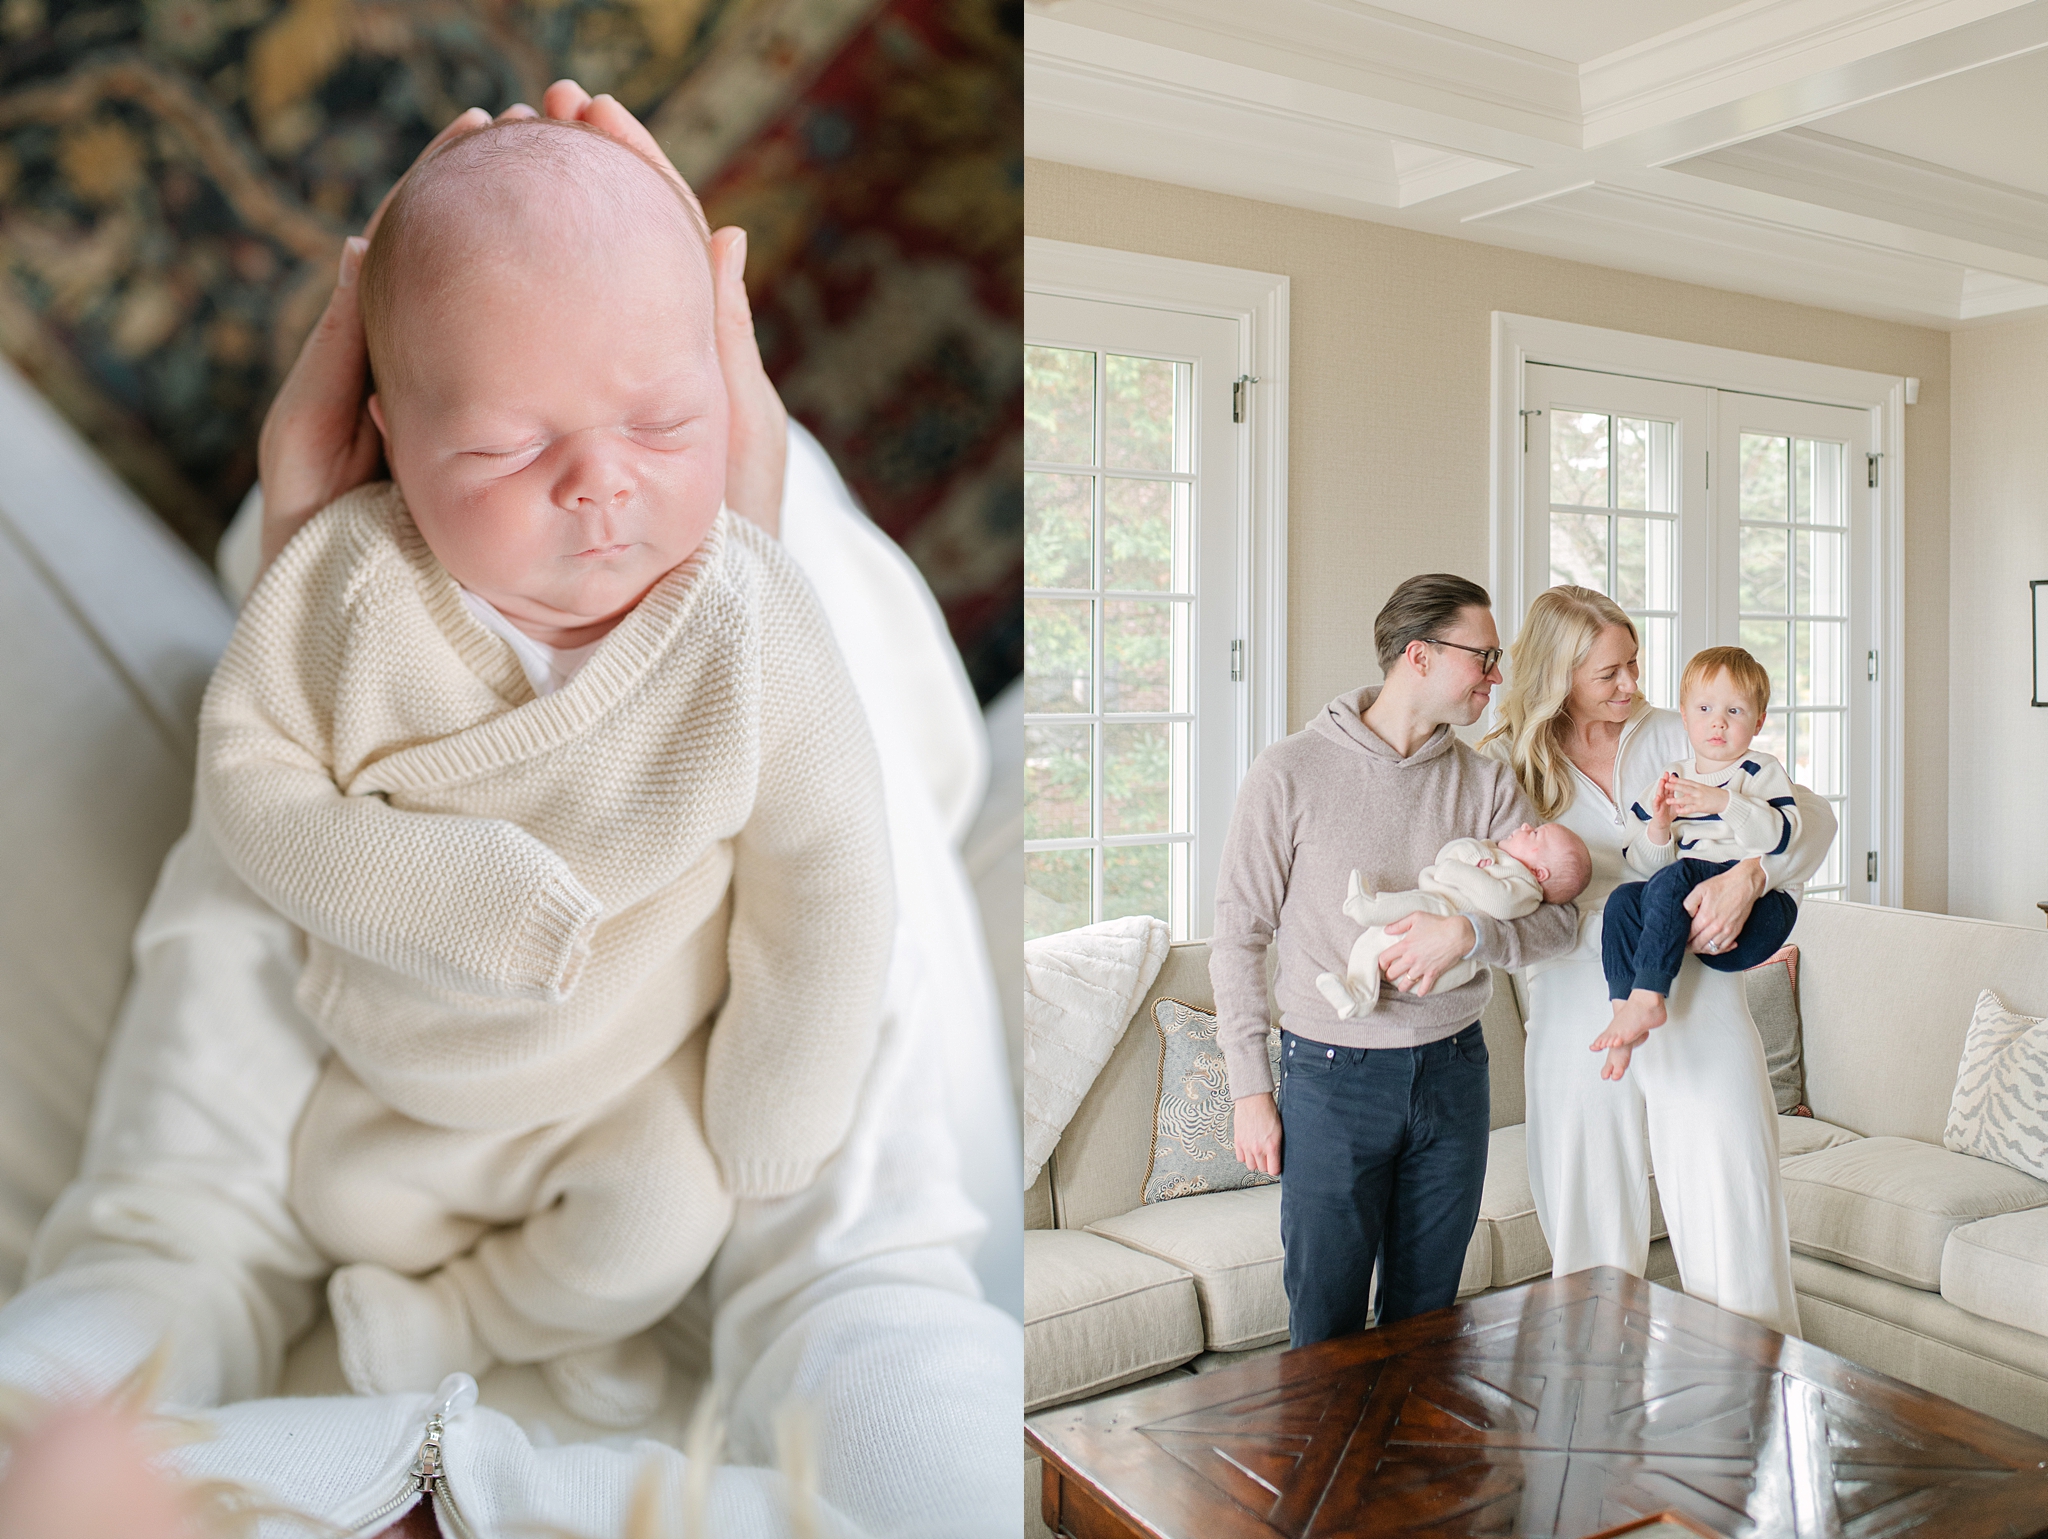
x=1642 y=938
x=1382 y=1158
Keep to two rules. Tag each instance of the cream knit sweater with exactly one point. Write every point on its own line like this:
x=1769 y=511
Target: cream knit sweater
x=515 y=908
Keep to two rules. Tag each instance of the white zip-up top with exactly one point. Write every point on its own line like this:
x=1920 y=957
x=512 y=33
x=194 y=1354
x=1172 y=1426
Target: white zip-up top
x=1761 y=817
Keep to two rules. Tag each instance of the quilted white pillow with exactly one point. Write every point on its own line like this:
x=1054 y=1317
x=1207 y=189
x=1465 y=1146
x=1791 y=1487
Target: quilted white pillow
x=2000 y=1107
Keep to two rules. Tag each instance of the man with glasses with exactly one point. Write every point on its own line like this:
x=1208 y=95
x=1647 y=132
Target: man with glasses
x=1380 y=1131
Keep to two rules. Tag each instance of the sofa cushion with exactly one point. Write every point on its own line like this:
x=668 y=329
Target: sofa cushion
x=1515 y=1248
x=1098 y=1314
x=1886 y=1205
x=1772 y=989
x=1194 y=1149
x=1803 y=1135
x=1999 y=1109
x=1998 y=1268
x=1230 y=1243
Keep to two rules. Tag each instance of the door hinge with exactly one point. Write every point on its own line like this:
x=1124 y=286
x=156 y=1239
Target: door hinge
x=1873 y=459
x=1870 y=867
x=1240 y=404
x=1526 y=413
x=1873 y=667
x=1237 y=662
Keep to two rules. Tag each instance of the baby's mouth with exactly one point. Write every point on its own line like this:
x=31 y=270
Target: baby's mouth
x=598 y=552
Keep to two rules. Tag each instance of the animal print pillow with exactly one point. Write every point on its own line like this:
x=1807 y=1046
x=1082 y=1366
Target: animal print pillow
x=1192 y=1147
x=2000 y=1107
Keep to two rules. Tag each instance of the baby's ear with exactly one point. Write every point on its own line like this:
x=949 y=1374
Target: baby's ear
x=1542 y=874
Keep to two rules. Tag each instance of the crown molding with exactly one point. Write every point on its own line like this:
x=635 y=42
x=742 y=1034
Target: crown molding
x=1854 y=178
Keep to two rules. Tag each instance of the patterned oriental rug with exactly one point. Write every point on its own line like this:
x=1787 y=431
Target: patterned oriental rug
x=176 y=178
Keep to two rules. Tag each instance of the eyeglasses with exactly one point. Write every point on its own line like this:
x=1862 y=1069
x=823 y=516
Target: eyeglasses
x=1487 y=656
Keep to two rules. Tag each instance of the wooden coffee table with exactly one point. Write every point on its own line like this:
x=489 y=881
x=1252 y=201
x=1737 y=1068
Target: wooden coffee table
x=1557 y=1410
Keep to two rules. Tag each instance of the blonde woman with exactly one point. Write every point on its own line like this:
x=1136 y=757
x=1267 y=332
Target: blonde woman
x=1696 y=1102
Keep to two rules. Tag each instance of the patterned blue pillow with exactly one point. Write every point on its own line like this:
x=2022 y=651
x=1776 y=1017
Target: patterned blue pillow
x=1192 y=1147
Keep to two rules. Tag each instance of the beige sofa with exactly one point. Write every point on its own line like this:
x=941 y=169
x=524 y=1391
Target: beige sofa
x=1921 y=1263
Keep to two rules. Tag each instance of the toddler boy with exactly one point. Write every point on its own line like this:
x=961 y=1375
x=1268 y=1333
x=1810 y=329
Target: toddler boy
x=1508 y=880
x=1728 y=802
x=554 y=761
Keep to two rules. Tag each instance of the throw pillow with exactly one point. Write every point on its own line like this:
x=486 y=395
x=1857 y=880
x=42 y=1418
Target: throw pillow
x=1192 y=1147
x=1773 y=990
x=2000 y=1107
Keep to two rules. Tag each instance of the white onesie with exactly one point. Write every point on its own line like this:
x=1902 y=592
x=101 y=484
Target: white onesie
x=1471 y=876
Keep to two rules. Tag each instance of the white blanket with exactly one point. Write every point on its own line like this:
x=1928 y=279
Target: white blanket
x=1080 y=988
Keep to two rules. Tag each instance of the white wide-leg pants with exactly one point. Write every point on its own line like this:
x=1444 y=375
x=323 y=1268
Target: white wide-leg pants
x=1696 y=1103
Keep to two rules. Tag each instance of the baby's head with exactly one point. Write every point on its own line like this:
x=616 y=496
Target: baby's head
x=538 y=303
x=1555 y=856
x=1723 y=696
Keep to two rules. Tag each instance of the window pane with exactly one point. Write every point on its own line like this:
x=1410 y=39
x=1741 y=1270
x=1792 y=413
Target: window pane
x=1056 y=784
x=1138 y=413
x=1137 y=879
x=1830 y=872
x=1819 y=762
x=1056 y=891
x=1578 y=458
x=1644 y=569
x=1137 y=778
x=1802 y=480
x=1765 y=565
x=1578 y=549
x=1058 y=517
x=1772 y=739
x=1059 y=405
x=1138 y=527
x=1820 y=662
x=1137 y=655
x=1830 y=484
x=1056 y=654
x=1658 y=676
x=1768 y=642
x=1818 y=588
x=1762 y=489
x=1645 y=472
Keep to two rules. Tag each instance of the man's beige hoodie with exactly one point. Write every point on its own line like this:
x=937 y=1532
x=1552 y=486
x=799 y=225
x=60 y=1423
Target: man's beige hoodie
x=1314 y=807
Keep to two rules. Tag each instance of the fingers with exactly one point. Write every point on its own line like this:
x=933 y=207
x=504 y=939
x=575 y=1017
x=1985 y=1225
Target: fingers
x=518 y=112
x=564 y=99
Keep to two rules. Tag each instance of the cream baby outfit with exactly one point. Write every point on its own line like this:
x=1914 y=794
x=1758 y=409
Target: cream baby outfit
x=519 y=910
x=1470 y=876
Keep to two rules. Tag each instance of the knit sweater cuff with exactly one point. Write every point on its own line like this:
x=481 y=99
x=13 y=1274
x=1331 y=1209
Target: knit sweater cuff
x=769 y=1178
x=545 y=960
x=1249 y=1069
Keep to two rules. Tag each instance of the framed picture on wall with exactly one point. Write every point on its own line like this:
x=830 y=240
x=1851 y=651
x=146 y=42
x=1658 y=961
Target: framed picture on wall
x=2039 y=591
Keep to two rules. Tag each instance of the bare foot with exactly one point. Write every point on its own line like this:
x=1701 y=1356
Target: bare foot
x=1617 y=1062
x=1634 y=1019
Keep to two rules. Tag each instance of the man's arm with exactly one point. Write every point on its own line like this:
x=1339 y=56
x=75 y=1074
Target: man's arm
x=1251 y=885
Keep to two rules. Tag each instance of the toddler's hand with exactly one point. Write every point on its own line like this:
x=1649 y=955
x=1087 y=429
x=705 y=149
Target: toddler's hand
x=1690 y=799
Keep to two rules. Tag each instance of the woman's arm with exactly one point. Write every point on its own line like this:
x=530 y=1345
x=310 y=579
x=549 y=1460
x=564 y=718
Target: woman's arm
x=1720 y=905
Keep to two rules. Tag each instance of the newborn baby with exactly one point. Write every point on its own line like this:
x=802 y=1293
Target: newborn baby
x=1508 y=880
x=554 y=761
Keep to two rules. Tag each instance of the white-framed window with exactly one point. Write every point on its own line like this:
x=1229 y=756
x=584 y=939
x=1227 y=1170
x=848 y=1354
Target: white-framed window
x=1735 y=500
x=1154 y=393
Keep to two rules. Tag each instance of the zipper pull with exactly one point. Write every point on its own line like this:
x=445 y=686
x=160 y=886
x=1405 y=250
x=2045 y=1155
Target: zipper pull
x=456 y=1395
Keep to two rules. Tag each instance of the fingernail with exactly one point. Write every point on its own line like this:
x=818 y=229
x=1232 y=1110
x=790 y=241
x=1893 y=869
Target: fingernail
x=738 y=259
x=352 y=251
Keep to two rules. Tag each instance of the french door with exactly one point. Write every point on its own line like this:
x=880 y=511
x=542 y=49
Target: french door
x=1718 y=517
x=1133 y=716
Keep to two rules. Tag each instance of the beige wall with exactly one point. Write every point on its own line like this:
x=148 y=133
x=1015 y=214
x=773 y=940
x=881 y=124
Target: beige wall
x=1998 y=748
x=1389 y=402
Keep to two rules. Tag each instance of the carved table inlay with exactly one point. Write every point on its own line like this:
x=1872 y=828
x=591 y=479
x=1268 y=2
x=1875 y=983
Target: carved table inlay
x=1555 y=1410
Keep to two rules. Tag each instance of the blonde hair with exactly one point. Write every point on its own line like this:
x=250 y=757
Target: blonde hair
x=1744 y=671
x=1559 y=630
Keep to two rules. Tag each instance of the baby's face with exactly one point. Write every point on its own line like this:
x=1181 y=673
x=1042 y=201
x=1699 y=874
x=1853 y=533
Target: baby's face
x=1719 y=718
x=559 y=427
x=1550 y=850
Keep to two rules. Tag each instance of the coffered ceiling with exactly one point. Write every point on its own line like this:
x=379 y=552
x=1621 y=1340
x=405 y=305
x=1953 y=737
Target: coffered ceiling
x=1885 y=158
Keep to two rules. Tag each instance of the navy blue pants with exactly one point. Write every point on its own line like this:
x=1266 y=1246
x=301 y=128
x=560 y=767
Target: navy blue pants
x=1642 y=938
x=1382 y=1158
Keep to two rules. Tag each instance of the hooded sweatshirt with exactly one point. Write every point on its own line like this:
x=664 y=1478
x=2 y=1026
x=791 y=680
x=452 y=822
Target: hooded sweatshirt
x=1334 y=798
